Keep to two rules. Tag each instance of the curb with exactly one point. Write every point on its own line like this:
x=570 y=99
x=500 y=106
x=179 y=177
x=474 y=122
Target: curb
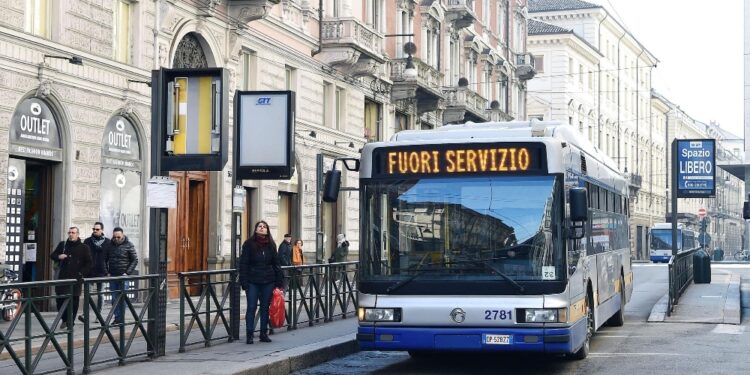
x=302 y=357
x=732 y=309
x=659 y=311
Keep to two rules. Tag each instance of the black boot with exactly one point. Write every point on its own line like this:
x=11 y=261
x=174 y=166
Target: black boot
x=264 y=337
x=249 y=339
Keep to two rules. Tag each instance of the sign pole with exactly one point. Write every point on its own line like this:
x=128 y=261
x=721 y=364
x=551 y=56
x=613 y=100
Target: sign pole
x=157 y=254
x=675 y=165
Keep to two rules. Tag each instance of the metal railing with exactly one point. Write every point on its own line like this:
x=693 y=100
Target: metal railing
x=315 y=294
x=320 y=292
x=34 y=296
x=123 y=299
x=680 y=276
x=213 y=305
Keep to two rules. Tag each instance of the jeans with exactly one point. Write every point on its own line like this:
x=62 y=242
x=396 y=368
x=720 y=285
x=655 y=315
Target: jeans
x=117 y=287
x=99 y=297
x=253 y=293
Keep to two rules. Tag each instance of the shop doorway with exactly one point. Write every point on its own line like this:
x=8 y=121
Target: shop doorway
x=29 y=218
x=188 y=229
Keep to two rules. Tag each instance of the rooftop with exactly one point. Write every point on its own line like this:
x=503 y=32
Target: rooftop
x=554 y=5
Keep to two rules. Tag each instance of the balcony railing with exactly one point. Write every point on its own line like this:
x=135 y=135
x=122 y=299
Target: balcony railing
x=462 y=97
x=460 y=13
x=427 y=76
x=635 y=180
x=347 y=31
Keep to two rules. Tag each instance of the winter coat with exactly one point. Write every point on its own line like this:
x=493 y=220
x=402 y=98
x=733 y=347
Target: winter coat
x=298 y=258
x=121 y=258
x=342 y=251
x=98 y=255
x=285 y=254
x=260 y=265
x=75 y=266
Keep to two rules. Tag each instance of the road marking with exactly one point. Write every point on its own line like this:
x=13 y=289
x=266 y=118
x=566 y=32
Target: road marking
x=729 y=329
x=719 y=296
x=648 y=265
x=635 y=354
x=624 y=336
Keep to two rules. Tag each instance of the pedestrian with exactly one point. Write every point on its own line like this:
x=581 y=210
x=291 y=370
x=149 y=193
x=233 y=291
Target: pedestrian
x=74 y=259
x=339 y=255
x=285 y=251
x=285 y=258
x=298 y=257
x=98 y=244
x=121 y=260
x=259 y=273
x=342 y=249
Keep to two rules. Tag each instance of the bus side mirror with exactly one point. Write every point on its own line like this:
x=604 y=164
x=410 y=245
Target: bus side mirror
x=579 y=213
x=331 y=186
x=746 y=211
x=579 y=207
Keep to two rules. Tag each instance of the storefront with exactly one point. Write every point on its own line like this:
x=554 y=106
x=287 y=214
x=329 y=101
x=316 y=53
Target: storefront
x=35 y=181
x=121 y=180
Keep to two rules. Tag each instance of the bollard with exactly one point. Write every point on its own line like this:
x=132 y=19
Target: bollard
x=701 y=267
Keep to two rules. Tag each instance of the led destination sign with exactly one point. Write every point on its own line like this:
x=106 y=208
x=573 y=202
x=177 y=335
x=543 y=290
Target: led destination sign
x=430 y=160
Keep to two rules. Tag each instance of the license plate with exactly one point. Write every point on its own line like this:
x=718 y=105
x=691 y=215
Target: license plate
x=497 y=339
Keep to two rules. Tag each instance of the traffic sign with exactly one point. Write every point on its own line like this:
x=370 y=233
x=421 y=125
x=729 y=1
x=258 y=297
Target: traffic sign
x=695 y=168
x=701 y=213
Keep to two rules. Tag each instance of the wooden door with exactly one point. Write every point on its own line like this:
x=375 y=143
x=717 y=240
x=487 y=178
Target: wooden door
x=188 y=229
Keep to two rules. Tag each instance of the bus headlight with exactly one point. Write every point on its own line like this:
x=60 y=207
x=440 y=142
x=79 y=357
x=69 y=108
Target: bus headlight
x=544 y=315
x=369 y=314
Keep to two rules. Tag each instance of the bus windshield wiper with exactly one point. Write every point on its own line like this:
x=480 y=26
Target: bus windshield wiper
x=501 y=273
x=409 y=279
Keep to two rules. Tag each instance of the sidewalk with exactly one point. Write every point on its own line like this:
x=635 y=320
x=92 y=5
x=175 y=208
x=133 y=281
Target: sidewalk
x=717 y=302
x=290 y=351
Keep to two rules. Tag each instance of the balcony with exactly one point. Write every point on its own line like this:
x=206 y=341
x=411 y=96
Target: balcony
x=498 y=115
x=634 y=184
x=351 y=46
x=463 y=104
x=460 y=13
x=525 y=67
x=246 y=11
x=425 y=88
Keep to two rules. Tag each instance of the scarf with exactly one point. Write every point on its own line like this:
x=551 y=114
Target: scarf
x=98 y=241
x=262 y=240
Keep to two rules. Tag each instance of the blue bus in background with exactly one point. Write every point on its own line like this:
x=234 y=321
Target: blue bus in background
x=661 y=241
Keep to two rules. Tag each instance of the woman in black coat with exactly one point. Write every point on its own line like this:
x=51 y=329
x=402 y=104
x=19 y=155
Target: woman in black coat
x=259 y=273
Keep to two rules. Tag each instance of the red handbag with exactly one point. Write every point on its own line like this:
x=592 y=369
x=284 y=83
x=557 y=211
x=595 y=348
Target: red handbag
x=277 y=311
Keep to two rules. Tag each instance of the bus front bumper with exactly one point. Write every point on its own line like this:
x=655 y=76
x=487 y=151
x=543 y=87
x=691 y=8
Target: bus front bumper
x=544 y=340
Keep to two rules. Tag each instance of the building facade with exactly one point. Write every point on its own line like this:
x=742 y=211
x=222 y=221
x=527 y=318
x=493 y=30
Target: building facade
x=77 y=108
x=599 y=80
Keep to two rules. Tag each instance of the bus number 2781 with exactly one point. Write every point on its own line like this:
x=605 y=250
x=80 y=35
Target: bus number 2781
x=498 y=314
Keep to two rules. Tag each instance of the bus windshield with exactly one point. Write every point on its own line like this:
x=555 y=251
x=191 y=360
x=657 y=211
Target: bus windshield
x=468 y=228
x=661 y=239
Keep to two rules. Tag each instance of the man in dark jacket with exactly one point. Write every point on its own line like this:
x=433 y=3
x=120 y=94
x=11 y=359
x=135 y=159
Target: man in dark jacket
x=74 y=258
x=121 y=259
x=98 y=243
x=285 y=251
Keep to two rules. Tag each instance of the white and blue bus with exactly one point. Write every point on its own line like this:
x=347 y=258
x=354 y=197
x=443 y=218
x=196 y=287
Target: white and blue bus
x=490 y=237
x=660 y=246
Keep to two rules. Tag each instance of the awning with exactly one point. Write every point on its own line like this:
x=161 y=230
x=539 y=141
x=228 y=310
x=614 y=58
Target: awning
x=736 y=170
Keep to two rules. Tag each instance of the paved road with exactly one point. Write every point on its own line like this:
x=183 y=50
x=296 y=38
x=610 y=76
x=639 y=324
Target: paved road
x=638 y=347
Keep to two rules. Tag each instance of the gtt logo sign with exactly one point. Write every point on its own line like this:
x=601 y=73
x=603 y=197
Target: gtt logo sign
x=264 y=100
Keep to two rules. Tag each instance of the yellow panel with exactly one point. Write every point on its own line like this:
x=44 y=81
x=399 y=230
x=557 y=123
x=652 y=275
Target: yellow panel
x=577 y=310
x=180 y=139
x=204 y=115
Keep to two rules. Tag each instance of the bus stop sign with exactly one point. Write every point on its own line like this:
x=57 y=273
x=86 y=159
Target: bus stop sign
x=695 y=168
